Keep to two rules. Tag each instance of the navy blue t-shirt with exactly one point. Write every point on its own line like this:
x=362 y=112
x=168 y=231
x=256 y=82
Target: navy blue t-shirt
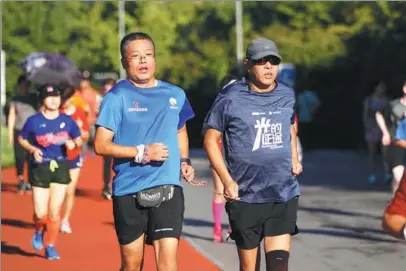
x=145 y=116
x=256 y=131
x=50 y=135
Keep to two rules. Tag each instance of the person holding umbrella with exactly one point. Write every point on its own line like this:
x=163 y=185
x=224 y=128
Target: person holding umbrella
x=46 y=136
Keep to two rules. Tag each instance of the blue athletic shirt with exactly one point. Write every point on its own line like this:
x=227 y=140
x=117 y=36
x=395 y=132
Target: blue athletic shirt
x=145 y=116
x=256 y=131
x=50 y=135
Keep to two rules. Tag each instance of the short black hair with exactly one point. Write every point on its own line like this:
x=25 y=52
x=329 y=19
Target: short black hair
x=134 y=36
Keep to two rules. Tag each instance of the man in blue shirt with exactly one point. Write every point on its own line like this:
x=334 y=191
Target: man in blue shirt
x=256 y=117
x=142 y=124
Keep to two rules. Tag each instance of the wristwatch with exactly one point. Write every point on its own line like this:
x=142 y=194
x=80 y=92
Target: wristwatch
x=186 y=160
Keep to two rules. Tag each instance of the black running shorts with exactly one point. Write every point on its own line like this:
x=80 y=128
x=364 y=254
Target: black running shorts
x=43 y=176
x=132 y=220
x=251 y=222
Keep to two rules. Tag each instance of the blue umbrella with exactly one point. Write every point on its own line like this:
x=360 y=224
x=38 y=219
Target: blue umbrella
x=52 y=68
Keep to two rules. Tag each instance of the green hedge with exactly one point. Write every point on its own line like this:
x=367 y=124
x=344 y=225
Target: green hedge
x=7 y=153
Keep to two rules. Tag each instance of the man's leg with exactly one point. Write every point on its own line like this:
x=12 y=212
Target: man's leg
x=164 y=230
x=246 y=222
x=277 y=230
x=130 y=223
x=132 y=255
x=277 y=249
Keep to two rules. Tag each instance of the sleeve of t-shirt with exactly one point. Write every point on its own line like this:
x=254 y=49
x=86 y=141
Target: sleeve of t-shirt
x=217 y=118
x=401 y=130
x=185 y=114
x=27 y=128
x=74 y=130
x=110 y=112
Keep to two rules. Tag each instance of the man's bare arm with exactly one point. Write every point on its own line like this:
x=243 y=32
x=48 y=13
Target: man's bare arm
x=103 y=145
x=11 y=123
x=293 y=142
x=211 y=138
x=381 y=123
x=183 y=142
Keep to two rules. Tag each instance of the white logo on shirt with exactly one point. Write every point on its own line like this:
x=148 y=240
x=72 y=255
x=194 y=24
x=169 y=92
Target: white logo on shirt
x=173 y=103
x=62 y=125
x=268 y=135
x=136 y=107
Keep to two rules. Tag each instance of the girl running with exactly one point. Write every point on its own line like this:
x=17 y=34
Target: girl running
x=75 y=159
x=218 y=199
x=45 y=136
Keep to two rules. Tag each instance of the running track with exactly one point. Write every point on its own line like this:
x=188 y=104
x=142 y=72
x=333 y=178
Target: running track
x=92 y=246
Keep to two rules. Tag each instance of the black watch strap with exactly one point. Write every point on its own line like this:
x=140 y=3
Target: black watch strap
x=186 y=160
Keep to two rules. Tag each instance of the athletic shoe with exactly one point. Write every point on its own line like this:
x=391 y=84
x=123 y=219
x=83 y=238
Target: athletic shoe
x=228 y=233
x=37 y=240
x=51 y=254
x=21 y=187
x=65 y=227
x=107 y=194
x=28 y=188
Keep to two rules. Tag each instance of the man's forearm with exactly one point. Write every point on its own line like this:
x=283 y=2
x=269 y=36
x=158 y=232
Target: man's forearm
x=293 y=142
x=381 y=123
x=183 y=140
x=216 y=159
x=114 y=150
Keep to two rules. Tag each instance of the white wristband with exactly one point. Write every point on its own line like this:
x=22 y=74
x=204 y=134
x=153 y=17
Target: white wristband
x=140 y=153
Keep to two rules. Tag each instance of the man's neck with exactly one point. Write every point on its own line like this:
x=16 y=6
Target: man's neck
x=262 y=88
x=150 y=84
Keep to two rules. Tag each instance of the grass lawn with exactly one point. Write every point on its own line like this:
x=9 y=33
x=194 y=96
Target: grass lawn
x=7 y=153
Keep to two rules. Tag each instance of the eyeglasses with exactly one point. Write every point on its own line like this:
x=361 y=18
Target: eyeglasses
x=274 y=60
x=139 y=57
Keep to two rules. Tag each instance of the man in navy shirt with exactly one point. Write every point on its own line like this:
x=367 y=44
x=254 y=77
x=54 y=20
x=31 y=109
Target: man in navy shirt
x=256 y=117
x=142 y=124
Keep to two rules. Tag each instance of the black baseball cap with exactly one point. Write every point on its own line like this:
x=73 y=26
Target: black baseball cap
x=262 y=47
x=48 y=90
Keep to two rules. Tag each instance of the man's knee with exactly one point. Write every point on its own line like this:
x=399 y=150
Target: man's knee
x=132 y=255
x=277 y=260
x=166 y=253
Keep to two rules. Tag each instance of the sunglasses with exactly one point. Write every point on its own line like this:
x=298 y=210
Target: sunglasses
x=271 y=59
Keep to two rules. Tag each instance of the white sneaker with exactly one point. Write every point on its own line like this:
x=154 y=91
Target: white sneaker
x=65 y=227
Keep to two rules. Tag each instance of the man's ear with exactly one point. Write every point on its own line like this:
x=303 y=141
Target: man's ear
x=124 y=63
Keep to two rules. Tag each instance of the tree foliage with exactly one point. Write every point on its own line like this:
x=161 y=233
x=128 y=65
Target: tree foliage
x=340 y=48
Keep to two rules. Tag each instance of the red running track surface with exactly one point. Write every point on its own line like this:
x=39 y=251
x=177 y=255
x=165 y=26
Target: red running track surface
x=92 y=245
